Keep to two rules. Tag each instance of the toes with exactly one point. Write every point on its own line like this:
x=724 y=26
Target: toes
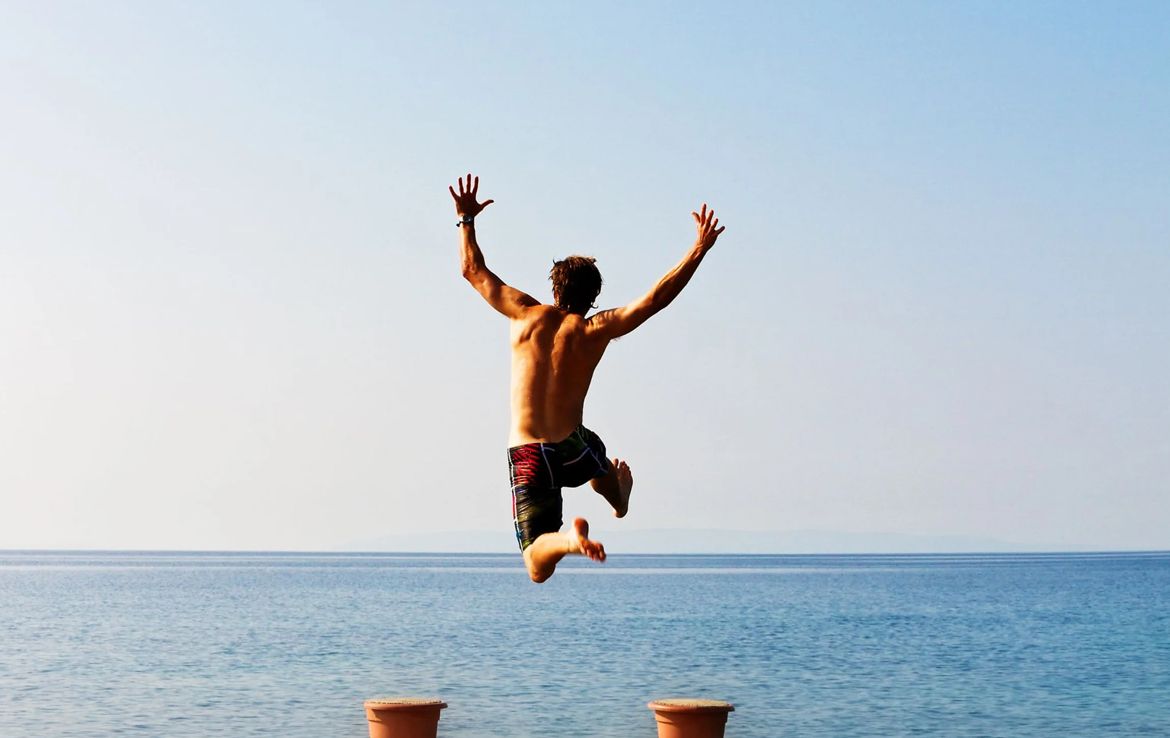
x=594 y=551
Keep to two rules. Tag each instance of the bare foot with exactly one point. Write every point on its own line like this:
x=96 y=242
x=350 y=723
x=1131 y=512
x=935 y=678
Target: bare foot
x=579 y=542
x=625 y=479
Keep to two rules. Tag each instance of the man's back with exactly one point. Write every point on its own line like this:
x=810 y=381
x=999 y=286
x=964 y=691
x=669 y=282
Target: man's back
x=554 y=354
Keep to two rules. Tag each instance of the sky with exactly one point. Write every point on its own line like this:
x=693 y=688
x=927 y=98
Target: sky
x=231 y=315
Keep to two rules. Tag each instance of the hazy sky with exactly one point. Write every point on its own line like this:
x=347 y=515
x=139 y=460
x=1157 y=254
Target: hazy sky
x=231 y=314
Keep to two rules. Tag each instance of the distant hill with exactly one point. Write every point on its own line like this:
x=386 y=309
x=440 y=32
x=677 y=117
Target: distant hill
x=711 y=541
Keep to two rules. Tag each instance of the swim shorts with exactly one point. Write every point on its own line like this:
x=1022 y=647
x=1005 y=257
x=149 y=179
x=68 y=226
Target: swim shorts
x=539 y=470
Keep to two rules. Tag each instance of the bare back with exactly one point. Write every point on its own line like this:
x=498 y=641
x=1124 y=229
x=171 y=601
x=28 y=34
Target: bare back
x=554 y=354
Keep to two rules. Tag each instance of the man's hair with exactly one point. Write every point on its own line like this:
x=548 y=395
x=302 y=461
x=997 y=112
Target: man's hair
x=576 y=283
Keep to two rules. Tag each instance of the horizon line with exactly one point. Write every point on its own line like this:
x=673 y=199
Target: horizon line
x=372 y=552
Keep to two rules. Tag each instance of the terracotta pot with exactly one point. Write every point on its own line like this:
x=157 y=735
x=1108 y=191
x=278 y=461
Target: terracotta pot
x=685 y=718
x=403 y=717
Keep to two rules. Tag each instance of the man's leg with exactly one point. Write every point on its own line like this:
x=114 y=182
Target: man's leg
x=549 y=548
x=615 y=487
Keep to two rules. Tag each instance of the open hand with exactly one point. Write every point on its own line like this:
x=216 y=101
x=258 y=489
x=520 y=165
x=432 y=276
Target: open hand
x=708 y=228
x=465 y=204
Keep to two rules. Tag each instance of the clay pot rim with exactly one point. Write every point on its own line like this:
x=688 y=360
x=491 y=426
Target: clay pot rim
x=683 y=704
x=404 y=703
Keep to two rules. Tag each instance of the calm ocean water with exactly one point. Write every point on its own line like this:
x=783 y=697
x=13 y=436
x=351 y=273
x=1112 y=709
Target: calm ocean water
x=212 y=644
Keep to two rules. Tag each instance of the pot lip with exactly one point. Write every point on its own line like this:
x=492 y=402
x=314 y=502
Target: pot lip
x=404 y=703
x=689 y=704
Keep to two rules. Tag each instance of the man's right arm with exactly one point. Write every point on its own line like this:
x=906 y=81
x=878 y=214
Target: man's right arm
x=620 y=321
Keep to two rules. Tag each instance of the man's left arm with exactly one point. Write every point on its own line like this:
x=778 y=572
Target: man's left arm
x=505 y=299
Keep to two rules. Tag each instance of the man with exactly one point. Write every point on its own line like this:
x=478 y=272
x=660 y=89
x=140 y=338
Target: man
x=555 y=349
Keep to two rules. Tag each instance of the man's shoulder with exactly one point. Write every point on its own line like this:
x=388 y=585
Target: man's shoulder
x=536 y=316
x=551 y=317
x=601 y=316
x=599 y=321
x=537 y=313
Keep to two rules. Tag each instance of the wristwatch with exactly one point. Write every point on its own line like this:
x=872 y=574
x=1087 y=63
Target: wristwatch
x=466 y=220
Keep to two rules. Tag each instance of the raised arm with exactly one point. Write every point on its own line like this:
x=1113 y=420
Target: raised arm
x=620 y=321
x=507 y=300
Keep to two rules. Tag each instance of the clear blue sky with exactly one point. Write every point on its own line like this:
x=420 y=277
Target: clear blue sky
x=231 y=313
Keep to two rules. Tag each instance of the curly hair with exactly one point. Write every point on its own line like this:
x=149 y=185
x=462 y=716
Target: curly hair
x=576 y=283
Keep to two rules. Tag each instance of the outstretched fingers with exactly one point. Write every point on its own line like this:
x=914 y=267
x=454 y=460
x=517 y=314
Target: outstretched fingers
x=466 y=195
x=467 y=186
x=707 y=225
x=704 y=217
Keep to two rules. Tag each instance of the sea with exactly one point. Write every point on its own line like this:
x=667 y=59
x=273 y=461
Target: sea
x=179 y=644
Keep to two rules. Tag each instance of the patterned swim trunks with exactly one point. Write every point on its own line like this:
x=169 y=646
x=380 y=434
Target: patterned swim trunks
x=539 y=470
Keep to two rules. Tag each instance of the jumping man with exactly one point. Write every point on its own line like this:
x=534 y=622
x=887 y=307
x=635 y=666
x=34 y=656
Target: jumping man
x=555 y=349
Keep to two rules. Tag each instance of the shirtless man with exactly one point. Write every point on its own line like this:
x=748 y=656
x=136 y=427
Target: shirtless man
x=555 y=349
